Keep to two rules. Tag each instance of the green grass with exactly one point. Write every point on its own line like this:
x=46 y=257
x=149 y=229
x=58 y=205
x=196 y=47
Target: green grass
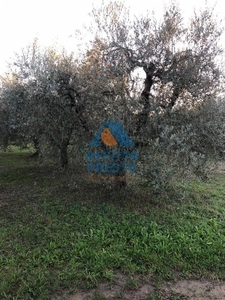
x=55 y=237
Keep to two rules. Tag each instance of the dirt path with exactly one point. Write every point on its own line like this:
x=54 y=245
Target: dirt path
x=179 y=290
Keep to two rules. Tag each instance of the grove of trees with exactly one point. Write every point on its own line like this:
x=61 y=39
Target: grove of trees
x=57 y=100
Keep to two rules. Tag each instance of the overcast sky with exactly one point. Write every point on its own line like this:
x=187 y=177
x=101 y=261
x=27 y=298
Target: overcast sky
x=56 y=20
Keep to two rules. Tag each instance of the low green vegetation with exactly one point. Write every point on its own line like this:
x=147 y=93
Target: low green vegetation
x=61 y=232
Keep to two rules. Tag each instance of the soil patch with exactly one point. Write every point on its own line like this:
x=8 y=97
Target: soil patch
x=179 y=290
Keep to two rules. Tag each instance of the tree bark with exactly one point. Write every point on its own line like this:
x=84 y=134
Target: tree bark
x=5 y=143
x=143 y=116
x=174 y=97
x=36 y=147
x=120 y=178
x=64 y=155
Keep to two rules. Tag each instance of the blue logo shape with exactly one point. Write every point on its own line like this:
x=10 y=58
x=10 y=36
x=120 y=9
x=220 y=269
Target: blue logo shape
x=118 y=132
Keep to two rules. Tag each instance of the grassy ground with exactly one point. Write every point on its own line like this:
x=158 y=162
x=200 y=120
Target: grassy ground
x=60 y=231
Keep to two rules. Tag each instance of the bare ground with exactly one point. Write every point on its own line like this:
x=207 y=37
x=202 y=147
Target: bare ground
x=181 y=289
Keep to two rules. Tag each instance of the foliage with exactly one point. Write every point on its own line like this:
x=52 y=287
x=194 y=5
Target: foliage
x=51 y=105
x=180 y=115
x=58 y=101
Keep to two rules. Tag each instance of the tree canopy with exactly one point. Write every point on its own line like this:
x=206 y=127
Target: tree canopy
x=175 y=115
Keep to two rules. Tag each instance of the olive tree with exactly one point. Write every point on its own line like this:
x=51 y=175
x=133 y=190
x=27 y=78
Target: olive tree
x=176 y=114
x=51 y=101
x=11 y=104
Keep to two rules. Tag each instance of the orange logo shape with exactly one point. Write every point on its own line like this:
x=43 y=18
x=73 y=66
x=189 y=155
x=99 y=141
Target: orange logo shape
x=107 y=137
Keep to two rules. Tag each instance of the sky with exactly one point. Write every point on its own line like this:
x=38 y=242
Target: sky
x=55 y=21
